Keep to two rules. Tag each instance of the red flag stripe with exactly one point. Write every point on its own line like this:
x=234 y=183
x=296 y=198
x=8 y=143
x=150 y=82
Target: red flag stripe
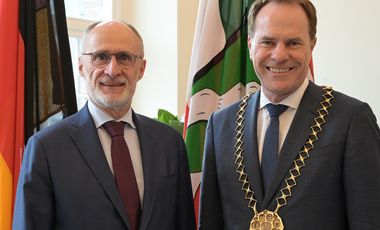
x=12 y=107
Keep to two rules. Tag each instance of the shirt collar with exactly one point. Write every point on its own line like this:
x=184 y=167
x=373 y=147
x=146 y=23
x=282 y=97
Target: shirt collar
x=292 y=101
x=100 y=117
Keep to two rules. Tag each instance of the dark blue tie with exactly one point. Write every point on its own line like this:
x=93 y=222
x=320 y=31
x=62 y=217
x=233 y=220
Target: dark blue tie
x=270 y=147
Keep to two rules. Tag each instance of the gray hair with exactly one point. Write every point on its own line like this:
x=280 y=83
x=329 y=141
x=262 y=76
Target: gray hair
x=93 y=25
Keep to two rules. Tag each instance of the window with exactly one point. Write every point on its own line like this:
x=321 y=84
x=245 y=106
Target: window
x=93 y=10
x=81 y=13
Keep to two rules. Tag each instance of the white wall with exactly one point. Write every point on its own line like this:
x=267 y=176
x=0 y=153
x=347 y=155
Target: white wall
x=157 y=23
x=346 y=56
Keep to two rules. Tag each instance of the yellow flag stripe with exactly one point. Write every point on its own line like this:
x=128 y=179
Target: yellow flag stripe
x=6 y=191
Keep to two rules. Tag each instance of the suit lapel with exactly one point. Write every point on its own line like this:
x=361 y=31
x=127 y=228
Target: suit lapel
x=147 y=147
x=250 y=153
x=298 y=133
x=87 y=141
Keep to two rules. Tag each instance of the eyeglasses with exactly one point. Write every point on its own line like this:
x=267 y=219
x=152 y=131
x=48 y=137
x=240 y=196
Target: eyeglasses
x=124 y=59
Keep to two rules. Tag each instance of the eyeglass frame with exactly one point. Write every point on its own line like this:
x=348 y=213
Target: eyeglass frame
x=135 y=57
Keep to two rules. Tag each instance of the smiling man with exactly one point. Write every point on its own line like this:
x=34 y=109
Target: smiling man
x=293 y=155
x=106 y=167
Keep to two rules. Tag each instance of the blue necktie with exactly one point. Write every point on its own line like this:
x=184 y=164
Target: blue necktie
x=270 y=147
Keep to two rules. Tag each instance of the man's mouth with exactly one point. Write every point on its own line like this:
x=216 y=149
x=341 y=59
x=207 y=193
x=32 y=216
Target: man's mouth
x=112 y=84
x=279 y=70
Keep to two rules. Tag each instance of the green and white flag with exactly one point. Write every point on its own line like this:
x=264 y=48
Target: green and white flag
x=221 y=72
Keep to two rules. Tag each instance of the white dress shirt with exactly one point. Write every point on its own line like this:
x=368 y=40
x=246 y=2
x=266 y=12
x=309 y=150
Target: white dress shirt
x=285 y=119
x=130 y=136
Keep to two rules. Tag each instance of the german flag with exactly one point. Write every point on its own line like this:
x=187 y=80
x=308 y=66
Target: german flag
x=36 y=83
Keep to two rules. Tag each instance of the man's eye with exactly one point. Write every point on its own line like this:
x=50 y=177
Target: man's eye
x=293 y=43
x=124 y=57
x=266 y=43
x=101 y=56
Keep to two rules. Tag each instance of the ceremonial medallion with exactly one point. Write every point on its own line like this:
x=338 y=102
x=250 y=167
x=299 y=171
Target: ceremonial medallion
x=266 y=220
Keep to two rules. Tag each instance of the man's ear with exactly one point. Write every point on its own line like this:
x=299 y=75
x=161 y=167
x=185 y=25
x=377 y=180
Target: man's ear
x=313 y=42
x=80 y=67
x=142 y=69
x=250 y=41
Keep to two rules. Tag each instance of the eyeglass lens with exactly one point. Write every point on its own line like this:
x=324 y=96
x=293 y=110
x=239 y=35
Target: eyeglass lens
x=124 y=59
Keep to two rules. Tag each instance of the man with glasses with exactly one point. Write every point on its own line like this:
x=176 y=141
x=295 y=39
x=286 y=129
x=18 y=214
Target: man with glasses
x=106 y=167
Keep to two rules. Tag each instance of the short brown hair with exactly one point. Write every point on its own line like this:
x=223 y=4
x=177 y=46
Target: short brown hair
x=306 y=5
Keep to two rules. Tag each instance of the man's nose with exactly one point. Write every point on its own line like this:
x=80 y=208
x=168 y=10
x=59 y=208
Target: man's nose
x=112 y=69
x=280 y=53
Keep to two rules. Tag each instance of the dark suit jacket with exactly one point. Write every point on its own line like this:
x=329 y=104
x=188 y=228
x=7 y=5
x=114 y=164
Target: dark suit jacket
x=339 y=188
x=66 y=183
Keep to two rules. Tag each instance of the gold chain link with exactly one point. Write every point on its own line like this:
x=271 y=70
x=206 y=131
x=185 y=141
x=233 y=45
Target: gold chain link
x=298 y=163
